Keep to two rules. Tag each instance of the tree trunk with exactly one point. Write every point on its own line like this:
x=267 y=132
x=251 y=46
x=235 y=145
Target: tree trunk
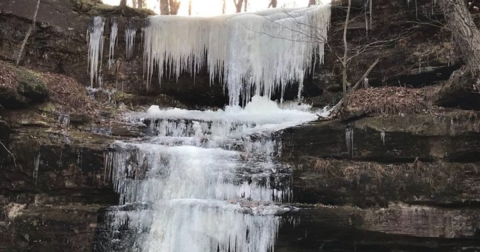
x=190 y=7
x=273 y=4
x=466 y=36
x=311 y=2
x=123 y=4
x=345 y=52
x=238 y=5
x=224 y=7
x=164 y=10
x=140 y=4
x=245 y=6
x=134 y=3
x=174 y=6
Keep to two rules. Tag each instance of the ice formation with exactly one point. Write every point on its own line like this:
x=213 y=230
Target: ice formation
x=205 y=180
x=130 y=33
x=95 y=47
x=113 y=41
x=252 y=53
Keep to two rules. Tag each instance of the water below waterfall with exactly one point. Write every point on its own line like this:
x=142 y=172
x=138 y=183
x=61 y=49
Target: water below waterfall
x=203 y=181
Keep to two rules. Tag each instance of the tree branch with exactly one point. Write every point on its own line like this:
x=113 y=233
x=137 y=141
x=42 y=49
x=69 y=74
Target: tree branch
x=345 y=52
x=357 y=84
x=10 y=153
x=34 y=20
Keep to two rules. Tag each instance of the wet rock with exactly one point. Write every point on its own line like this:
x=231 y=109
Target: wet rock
x=79 y=119
x=9 y=98
x=398 y=227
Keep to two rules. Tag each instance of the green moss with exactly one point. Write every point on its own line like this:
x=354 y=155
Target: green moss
x=31 y=85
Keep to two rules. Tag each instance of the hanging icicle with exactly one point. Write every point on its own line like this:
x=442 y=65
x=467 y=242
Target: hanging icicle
x=95 y=47
x=113 y=41
x=130 y=33
x=251 y=53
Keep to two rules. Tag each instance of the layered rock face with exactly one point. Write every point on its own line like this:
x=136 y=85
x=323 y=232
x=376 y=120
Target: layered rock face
x=408 y=182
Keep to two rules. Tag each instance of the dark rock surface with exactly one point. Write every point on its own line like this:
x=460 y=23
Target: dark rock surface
x=393 y=183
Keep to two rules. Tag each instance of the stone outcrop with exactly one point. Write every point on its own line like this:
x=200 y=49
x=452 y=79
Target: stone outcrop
x=382 y=178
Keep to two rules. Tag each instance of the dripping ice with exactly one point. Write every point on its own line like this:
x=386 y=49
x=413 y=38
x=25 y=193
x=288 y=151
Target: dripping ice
x=211 y=179
x=95 y=48
x=251 y=53
x=113 y=41
x=130 y=33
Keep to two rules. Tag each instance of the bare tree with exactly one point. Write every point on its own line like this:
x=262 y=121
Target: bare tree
x=345 y=52
x=273 y=4
x=123 y=4
x=190 y=7
x=224 y=7
x=134 y=3
x=30 y=29
x=174 y=6
x=238 y=5
x=140 y=4
x=245 y=6
x=311 y=2
x=164 y=8
x=465 y=33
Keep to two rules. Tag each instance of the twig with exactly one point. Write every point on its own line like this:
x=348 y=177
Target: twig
x=34 y=20
x=9 y=152
x=357 y=84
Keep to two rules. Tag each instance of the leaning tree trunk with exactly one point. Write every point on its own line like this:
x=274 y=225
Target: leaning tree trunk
x=238 y=5
x=465 y=33
x=164 y=10
x=461 y=90
x=123 y=4
x=174 y=6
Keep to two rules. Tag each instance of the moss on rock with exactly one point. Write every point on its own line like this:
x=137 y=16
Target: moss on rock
x=31 y=86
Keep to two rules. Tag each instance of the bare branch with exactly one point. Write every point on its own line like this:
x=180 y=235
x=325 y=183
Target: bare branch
x=34 y=20
x=10 y=153
x=357 y=84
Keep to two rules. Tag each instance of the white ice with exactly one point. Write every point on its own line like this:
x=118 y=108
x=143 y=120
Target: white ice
x=212 y=179
x=252 y=53
x=95 y=48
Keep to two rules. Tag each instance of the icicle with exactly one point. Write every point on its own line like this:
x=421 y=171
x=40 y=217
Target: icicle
x=113 y=42
x=36 y=165
x=349 y=139
x=130 y=33
x=252 y=53
x=382 y=136
x=365 y=83
x=95 y=47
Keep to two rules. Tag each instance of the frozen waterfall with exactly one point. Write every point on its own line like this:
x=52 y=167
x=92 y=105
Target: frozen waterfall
x=256 y=53
x=252 y=53
x=95 y=47
x=204 y=180
x=113 y=41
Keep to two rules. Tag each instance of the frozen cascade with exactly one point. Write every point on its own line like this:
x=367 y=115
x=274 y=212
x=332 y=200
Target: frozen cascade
x=204 y=180
x=130 y=33
x=113 y=41
x=95 y=47
x=251 y=53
